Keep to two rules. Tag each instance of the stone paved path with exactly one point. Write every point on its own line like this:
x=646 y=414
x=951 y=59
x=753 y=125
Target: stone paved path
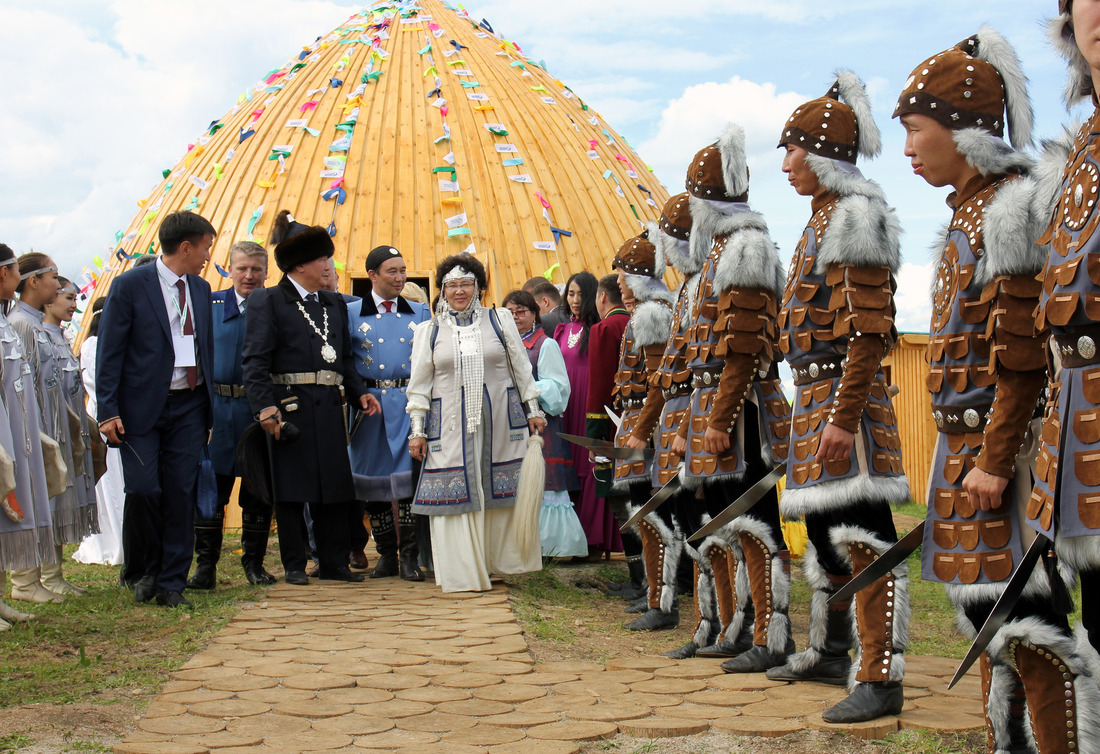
x=402 y=667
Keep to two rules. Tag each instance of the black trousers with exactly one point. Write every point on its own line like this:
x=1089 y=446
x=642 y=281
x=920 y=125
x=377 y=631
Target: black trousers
x=332 y=526
x=245 y=498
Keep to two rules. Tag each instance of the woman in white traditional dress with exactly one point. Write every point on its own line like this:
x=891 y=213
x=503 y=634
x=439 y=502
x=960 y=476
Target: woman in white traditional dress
x=473 y=403
x=106 y=547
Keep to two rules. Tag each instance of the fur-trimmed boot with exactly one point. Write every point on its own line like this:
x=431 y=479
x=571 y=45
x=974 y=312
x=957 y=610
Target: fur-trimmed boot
x=26 y=585
x=385 y=541
x=826 y=658
x=882 y=633
x=1058 y=672
x=735 y=609
x=706 y=615
x=635 y=586
x=1003 y=699
x=659 y=554
x=255 y=529
x=770 y=584
x=208 y=551
x=54 y=580
x=7 y=612
x=410 y=571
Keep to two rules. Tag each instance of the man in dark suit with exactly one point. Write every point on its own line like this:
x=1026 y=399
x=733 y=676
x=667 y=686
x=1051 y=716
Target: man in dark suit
x=247 y=271
x=298 y=367
x=154 y=384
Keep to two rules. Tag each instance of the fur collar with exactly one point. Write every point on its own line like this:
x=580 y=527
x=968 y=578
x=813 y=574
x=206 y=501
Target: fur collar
x=651 y=323
x=1078 y=78
x=1051 y=170
x=1011 y=226
x=989 y=154
x=863 y=230
x=646 y=288
x=750 y=259
x=846 y=182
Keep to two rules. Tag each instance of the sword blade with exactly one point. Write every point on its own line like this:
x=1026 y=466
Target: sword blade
x=587 y=442
x=742 y=504
x=997 y=617
x=882 y=565
x=627 y=454
x=616 y=420
x=659 y=498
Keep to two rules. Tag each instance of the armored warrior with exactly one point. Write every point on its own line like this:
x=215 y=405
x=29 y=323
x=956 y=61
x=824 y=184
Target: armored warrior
x=738 y=415
x=844 y=469
x=641 y=271
x=666 y=407
x=987 y=365
x=381 y=328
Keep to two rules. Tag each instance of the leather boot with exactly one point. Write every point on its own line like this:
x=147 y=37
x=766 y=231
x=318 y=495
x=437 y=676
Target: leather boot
x=1053 y=692
x=26 y=585
x=635 y=586
x=410 y=571
x=385 y=541
x=881 y=608
x=208 y=551
x=255 y=528
x=736 y=634
x=772 y=643
x=53 y=580
x=825 y=660
x=654 y=618
x=703 y=631
x=7 y=612
x=1005 y=727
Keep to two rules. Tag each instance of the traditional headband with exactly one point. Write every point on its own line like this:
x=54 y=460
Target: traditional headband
x=40 y=271
x=458 y=272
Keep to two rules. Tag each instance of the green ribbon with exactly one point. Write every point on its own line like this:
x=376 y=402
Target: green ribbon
x=366 y=77
x=498 y=132
x=446 y=169
x=214 y=128
x=424 y=49
x=470 y=84
x=297 y=67
x=277 y=153
x=458 y=232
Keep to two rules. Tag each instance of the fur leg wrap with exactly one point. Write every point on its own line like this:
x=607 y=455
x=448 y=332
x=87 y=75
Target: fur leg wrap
x=1007 y=729
x=770 y=585
x=707 y=623
x=880 y=612
x=820 y=643
x=1059 y=674
x=667 y=544
x=723 y=573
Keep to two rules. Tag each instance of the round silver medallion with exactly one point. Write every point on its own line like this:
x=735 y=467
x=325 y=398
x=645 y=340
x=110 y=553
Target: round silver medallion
x=1086 y=346
x=706 y=378
x=938 y=417
x=971 y=418
x=1078 y=194
x=328 y=353
x=814 y=371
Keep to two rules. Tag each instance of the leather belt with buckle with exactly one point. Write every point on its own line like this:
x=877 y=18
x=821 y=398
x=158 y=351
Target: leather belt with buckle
x=386 y=383
x=229 y=391
x=961 y=419
x=1077 y=350
x=324 y=377
x=813 y=371
x=677 y=389
x=706 y=377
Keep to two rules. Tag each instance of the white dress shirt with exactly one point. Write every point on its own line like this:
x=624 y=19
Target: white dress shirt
x=378 y=301
x=175 y=308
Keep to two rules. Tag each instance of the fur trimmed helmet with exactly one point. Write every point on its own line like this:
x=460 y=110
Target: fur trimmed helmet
x=673 y=240
x=676 y=217
x=839 y=125
x=720 y=172
x=977 y=84
x=1079 y=78
x=637 y=256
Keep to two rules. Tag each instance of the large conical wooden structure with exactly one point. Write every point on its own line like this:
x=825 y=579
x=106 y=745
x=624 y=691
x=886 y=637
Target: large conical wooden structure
x=412 y=125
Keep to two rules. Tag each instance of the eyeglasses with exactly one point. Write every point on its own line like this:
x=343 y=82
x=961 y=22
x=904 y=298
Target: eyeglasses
x=460 y=286
x=519 y=310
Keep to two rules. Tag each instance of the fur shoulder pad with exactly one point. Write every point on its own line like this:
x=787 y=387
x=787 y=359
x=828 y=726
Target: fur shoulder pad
x=750 y=259
x=646 y=288
x=1053 y=157
x=1010 y=227
x=862 y=231
x=989 y=154
x=651 y=322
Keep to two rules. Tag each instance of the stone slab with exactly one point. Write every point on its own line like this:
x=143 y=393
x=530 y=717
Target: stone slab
x=436 y=722
x=312 y=709
x=669 y=686
x=522 y=719
x=510 y=692
x=395 y=739
x=181 y=725
x=229 y=708
x=663 y=727
x=725 y=698
x=484 y=735
x=648 y=664
x=939 y=720
x=318 y=681
x=744 y=725
x=574 y=730
x=870 y=730
x=609 y=712
x=436 y=694
x=354 y=725
x=395 y=708
x=474 y=708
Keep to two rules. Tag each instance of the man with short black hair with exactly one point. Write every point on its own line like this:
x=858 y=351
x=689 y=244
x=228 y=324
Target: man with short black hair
x=548 y=298
x=155 y=392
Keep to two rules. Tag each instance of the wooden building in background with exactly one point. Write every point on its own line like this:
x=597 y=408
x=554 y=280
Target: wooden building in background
x=906 y=368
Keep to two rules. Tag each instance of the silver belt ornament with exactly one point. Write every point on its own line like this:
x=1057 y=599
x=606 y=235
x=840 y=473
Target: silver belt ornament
x=324 y=377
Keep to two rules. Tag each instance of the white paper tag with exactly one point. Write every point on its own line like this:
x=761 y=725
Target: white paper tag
x=184 y=347
x=332 y=173
x=448 y=185
x=457 y=221
x=510 y=148
x=523 y=178
x=477 y=96
x=296 y=123
x=549 y=100
x=545 y=245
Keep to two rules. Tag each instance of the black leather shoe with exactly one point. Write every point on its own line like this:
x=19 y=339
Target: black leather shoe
x=410 y=571
x=257 y=574
x=385 y=567
x=867 y=702
x=298 y=578
x=341 y=574
x=826 y=669
x=204 y=578
x=691 y=649
x=173 y=599
x=758 y=659
x=358 y=561
x=654 y=620
x=145 y=589
x=639 y=605
x=727 y=647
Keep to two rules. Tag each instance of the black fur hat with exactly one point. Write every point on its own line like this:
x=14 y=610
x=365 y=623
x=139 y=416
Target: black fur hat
x=296 y=243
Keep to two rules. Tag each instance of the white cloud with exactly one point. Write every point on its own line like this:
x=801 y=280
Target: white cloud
x=913 y=301
x=696 y=118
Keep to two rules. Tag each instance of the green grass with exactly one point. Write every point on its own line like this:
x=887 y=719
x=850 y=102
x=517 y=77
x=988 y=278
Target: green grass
x=927 y=742
x=104 y=646
x=547 y=605
x=15 y=742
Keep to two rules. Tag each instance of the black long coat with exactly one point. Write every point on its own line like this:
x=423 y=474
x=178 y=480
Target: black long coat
x=315 y=467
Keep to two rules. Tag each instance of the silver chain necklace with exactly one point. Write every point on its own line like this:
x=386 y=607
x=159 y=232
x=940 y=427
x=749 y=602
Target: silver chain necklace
x=328 y=353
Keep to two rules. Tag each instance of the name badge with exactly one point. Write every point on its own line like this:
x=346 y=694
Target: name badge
x=184 y=346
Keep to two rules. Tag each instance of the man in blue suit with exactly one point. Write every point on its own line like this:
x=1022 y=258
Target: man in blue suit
x=155 y=387
x=247 y=271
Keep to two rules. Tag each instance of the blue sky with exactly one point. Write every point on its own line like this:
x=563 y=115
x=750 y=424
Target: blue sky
x=98 y=97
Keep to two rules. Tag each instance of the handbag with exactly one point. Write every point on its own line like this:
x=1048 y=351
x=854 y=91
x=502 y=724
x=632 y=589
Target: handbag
x=56 y=470
x=206 y=487
x=76 y=441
